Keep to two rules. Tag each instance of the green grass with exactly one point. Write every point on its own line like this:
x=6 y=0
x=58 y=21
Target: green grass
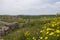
x=34 y=27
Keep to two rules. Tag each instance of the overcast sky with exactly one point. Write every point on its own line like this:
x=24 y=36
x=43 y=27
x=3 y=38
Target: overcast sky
x=29 y=7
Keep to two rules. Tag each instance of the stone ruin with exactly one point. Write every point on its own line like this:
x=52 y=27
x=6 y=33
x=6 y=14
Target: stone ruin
x=3 y=30
x=7 y=28
x=12 y=25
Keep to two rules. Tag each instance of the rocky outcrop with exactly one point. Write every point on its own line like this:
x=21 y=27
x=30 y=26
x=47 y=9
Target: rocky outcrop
x=12 y=25
x=7 y=28
x=3 y=30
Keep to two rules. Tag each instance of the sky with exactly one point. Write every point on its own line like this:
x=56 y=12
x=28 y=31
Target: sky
x=29 y=7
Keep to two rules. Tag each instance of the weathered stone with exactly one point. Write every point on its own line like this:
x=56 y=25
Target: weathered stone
x=12 y=25
x=3 y=30
x=7 y=28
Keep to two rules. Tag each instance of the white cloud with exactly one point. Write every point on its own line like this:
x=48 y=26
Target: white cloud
x=29 y=6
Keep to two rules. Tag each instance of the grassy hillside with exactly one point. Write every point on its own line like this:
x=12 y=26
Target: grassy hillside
x=45 y=27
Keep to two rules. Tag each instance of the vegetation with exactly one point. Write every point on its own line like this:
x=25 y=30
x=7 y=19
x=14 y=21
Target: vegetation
x=44 y=27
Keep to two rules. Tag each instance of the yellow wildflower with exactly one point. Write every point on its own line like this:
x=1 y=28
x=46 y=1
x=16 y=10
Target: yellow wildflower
x=47 y=32
x=46 y=37
x=41 y=37
x=53 y=25
x=42 y=31
x=57 y=31
x=52 y=33
x=58 y=35
x=49 y=29
x=34 y=38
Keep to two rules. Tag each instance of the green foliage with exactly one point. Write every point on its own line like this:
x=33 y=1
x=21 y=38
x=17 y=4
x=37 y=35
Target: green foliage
x=37 y=28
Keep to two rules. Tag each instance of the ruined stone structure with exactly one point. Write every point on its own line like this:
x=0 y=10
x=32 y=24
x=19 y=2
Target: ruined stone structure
x=3 y=30
x=12 y=25
x=7 y=28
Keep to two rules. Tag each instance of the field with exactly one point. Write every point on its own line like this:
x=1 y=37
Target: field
x=44 y=27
